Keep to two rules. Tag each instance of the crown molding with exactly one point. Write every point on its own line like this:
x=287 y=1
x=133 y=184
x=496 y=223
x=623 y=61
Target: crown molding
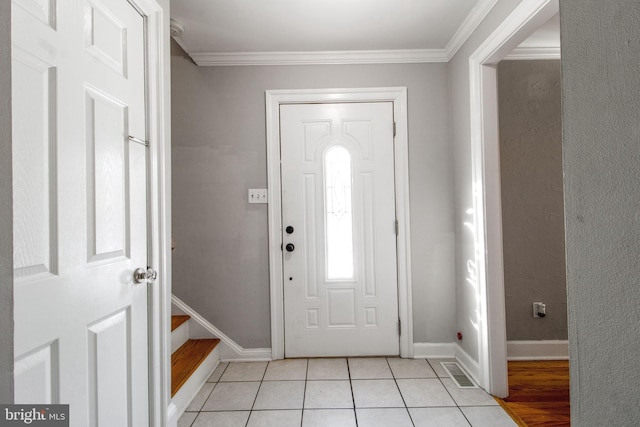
x=471 y=22
x=321 y=58
x=533 y=53
x=346 y=57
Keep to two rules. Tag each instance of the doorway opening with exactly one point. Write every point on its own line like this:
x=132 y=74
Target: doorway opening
x=523 y=21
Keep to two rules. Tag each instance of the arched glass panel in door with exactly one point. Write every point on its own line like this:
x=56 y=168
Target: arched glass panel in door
x=338 y=213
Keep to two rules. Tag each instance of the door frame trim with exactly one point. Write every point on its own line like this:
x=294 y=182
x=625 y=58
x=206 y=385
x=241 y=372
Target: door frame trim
x=156 y=26
x=485 y=164
x=275 y=98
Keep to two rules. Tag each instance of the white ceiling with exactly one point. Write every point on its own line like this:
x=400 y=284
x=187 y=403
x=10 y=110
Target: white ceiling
x=546 y=36
x=256 y=30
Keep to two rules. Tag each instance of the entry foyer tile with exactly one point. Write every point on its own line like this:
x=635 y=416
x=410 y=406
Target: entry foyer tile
x=424 y=392
x=328 y=394
x=392 y=417
x=438 y=417
x=232 y=397
x=407 y=394
x=437 y=367
x=488 y=416
x=275 y=419
x=376 y=394
x=329 y=418
x=410 y=368
x=286 y=369
x=328 y=369
x=201 y=397
x=280 y=395
x=244 y=371
x=369 y=368
x=215 y=376
x=222 y=419
x=468 y=396
x=187 y=419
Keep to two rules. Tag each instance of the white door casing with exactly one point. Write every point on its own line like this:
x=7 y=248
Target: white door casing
x=527 y=17
x=398 y=98
x=340 y=287
x=80 y=209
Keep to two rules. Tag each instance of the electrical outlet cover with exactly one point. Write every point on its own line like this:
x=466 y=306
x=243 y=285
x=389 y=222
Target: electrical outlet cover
x=257 y=195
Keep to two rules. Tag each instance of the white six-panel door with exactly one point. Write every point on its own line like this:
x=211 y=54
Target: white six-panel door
x=80 y=225
x=339 y=236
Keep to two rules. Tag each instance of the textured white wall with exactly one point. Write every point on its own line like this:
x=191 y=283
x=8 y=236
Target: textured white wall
x=6 y=210
x=601 y=156
x=219 y=151
x=530 y=115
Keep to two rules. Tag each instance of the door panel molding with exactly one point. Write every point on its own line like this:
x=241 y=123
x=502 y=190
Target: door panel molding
x=156 y=20
x=396 y=95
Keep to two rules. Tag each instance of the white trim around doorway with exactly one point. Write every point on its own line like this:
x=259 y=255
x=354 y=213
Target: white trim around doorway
x=275 y=98
x=528 y=16
x=159 y=202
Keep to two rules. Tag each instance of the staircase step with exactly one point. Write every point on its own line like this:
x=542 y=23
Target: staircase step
x=186 y=359
x=178 y=320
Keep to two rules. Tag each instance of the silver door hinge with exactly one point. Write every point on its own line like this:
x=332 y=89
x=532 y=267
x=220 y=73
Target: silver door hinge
x=394 y=129
x=397 y=227
x=399 y=327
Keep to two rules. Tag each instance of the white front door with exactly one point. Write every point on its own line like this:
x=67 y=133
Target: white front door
x=80 y=226
x=339 y=229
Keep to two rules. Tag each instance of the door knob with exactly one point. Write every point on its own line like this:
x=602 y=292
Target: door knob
x=290 y=247
x=145 y=276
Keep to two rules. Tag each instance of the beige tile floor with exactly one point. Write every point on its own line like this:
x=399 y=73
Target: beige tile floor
x=362 y=392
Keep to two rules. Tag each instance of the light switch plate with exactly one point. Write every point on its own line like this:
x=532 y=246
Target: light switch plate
x=257 y=195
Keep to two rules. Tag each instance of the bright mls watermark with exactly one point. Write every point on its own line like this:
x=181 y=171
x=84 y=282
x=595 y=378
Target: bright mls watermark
x=34 y=415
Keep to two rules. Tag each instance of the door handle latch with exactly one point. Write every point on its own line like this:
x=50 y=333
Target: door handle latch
x=145 y=276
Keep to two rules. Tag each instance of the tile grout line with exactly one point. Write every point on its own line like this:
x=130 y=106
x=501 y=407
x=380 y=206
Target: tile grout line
x=353 y=398
x=214 y=387
x=255 y=399
x=450 y=395
x=351 y=385
x=395 y=380
x=304 y=393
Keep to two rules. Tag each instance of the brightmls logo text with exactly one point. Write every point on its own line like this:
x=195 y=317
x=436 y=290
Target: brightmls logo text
x=34 y=415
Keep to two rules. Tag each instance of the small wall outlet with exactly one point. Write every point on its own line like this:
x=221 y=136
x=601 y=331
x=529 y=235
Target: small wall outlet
x=539 y=309
x=257 y=195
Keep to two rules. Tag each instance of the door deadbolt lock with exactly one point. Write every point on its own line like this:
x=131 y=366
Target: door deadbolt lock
x=289 y=229
x=290 y=247
x=145 y=276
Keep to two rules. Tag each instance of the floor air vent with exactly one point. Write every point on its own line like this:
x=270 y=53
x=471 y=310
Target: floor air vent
x=459 y=376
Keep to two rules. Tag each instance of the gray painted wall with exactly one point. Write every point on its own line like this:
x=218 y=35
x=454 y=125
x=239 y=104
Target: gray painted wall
x=458 y=69
x=219 y=152
x=601 y=155
x=6 y=210
x=530 y=116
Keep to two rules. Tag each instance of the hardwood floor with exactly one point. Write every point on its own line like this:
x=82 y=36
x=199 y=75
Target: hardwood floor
x=538 y=393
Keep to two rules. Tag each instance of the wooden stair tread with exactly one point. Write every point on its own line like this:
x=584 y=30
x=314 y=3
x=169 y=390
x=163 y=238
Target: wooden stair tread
x=178 y=320
x=186 y=359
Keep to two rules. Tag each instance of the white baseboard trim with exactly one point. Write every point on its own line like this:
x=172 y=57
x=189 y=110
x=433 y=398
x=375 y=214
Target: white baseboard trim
x=230 y=351
x=538 y=350
x=196 y=381
x=172 y=416
x=468 y=363
x=427 y=350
